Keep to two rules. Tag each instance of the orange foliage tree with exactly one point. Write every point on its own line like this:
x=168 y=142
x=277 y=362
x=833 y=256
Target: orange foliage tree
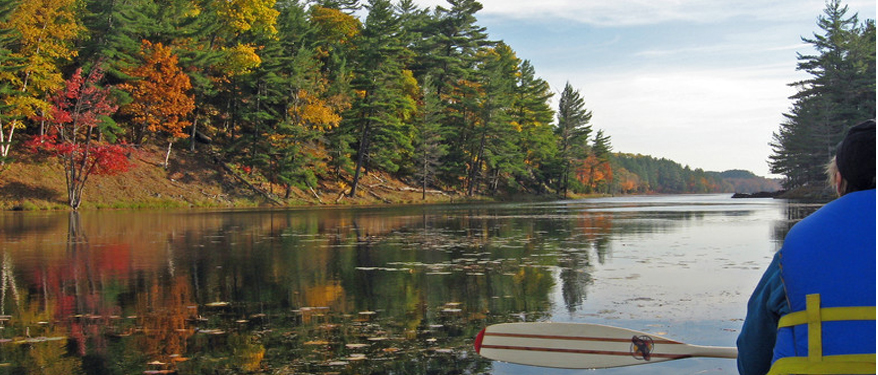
x=629 y=183
x=161 y=99
x=595 y=174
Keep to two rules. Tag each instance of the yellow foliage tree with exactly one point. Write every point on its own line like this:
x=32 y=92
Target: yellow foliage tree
x=334 y=25
x=258 y=16
x=240 y=59
x=314 y=113
x=46 y=30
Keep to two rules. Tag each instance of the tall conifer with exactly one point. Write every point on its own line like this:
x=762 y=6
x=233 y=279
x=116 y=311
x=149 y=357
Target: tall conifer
x=573 y=130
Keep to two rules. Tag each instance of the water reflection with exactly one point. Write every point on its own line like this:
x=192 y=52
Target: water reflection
x=381 y=290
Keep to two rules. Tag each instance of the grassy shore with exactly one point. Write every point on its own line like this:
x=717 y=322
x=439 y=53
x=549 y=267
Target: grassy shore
x=190 y=180
x=193 y=180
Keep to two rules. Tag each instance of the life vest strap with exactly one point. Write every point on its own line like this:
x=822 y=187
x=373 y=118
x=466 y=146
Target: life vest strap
x=829 y=314
x=831 y=364
x=816 y=362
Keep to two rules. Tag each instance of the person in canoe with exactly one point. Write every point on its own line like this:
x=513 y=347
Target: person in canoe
x=813 y=311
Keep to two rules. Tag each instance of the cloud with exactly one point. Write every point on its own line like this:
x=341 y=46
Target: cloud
x=646 y=12
x=715 y=119
x=702 y=82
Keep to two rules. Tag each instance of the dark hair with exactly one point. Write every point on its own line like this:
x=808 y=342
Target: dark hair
x=855 y=157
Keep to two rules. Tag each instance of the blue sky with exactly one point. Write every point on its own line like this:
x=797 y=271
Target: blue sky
x=700 y=82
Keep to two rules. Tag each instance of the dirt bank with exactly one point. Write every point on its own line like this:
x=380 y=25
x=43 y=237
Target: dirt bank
x=190 y=180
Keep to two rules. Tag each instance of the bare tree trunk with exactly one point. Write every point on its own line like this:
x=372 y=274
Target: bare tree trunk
x=477 y=167
x=168 y=154
x=361 y=156
x=192 y=136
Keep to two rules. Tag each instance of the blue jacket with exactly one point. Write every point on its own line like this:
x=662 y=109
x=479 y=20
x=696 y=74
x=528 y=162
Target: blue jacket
x=831 y=253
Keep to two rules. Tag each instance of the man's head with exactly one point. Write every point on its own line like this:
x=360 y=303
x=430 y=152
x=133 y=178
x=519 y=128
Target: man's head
x=855 y=159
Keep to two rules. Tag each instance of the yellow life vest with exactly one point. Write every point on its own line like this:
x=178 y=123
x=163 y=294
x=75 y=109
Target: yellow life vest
x=816 y=362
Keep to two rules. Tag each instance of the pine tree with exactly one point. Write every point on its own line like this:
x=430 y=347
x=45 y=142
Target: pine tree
x=332 y=40
x=532 y=114
x=384 y=94
x=573 y=130
x=115 y=29
x=293 y=89
x=448 y=53
x=839 y=94
x=494 y=143
x=429 y=147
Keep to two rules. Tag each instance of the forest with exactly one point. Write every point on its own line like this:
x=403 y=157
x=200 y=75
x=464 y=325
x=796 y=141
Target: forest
x=299 y=94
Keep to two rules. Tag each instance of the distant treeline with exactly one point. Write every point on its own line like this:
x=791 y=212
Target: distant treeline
x=639 y=174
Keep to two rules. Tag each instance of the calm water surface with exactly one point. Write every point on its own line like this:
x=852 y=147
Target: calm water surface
x=399 y=290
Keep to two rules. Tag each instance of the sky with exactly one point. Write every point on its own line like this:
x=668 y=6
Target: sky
x=701 y=82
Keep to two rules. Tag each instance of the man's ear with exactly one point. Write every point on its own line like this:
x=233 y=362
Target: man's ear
x=839 y=184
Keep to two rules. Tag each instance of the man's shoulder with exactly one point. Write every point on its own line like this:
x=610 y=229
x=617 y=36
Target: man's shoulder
x=856 y=208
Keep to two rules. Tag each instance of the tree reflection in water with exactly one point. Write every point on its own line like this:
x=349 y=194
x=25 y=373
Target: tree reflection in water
x=346 y=291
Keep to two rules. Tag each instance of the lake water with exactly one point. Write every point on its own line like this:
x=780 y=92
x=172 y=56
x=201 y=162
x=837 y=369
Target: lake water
x=400 y=290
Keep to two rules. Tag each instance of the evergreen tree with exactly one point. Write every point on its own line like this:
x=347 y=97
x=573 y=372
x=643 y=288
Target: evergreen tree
x=839 y=94
x=496 y=138
x=429 y=147
x=572 y=130
x=452 y=40
x=115 y=29
x=349 y=6
x=385 y=91
x=448 y=53
x=332 y=40
x=532 y=114
x=293 y=87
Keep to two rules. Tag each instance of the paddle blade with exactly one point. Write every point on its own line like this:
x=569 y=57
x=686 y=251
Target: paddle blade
x=583 y=346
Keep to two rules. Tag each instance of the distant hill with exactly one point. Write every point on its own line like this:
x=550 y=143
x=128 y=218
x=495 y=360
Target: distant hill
x=644 y=174
x=746 y=182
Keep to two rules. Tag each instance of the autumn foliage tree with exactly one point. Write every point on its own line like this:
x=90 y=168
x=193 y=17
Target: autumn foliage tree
x=77 y=114
x=45 y=31
x=161 y=99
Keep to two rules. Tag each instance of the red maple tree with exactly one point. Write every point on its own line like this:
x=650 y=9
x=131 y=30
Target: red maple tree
x=75 y=138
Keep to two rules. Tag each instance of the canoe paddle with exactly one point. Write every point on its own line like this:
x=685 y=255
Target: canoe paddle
x=584 y=346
